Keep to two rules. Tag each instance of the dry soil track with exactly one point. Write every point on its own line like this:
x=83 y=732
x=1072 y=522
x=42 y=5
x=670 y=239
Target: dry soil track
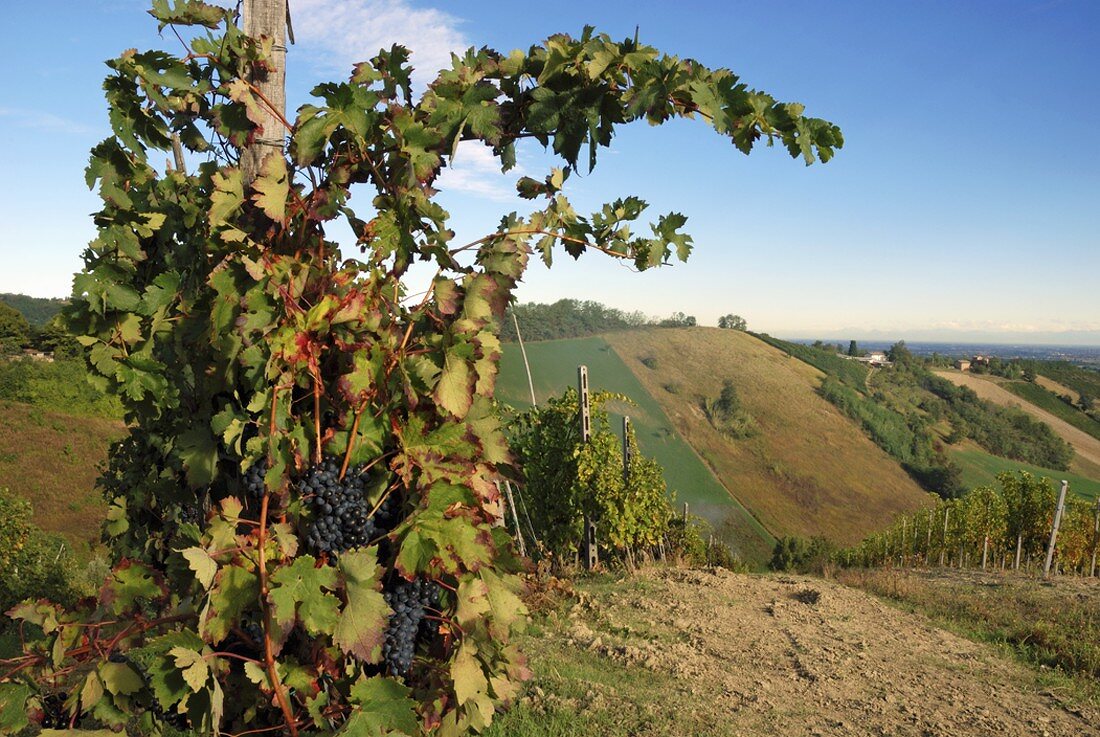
x=803 y=656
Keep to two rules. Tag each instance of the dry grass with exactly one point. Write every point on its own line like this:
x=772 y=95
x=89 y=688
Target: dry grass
x=1052 y=624
x=810 y=470
x=51 y=459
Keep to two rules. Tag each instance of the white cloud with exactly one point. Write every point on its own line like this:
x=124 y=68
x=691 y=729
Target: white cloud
x=340 y=34
x=43 y=121
x=476 y=171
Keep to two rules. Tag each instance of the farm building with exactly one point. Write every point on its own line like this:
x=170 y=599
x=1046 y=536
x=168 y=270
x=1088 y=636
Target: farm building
x=962 y=364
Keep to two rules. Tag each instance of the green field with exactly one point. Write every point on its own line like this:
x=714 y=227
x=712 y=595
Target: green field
x=981 y=468
x=554 y=368
x=1044 y=399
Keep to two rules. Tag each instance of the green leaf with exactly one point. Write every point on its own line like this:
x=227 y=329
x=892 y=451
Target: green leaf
x=362 y=626
x=455 y=391
x=228 y=195
x=120 y=679
x=199 y=453
x=467 y=674
x=272 y=187
x=382 y=708
x=199 y=561
x=300 y=591
x=235 y=589
x=193 y=666
x=13 y=707
x=130 y=583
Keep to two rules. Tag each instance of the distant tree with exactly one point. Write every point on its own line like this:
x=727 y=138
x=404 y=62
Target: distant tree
x=1085 y=401
x=1029 y=374
x=15 y=331
x=853 y=349
x=899 y=353
x=57 y=339
x=678 y=320
x=732 y=322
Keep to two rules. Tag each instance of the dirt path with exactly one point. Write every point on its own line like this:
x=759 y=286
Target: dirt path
x=1086 y=446
x=803 y=656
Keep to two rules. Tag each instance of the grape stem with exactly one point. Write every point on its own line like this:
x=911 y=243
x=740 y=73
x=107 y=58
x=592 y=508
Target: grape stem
x=269 y=651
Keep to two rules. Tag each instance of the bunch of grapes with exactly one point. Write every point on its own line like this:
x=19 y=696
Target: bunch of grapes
x=342 y=518
x=410 y=601
x=253 y=481
x=54 y=713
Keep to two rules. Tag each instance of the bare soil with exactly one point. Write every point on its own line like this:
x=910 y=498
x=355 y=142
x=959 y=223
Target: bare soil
x=793 y=655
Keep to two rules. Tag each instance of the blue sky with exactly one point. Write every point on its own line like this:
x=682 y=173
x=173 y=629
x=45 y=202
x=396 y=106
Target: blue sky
x=965 y=204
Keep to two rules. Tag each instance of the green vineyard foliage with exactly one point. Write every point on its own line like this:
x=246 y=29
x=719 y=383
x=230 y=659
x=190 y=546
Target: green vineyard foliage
x=303 y=520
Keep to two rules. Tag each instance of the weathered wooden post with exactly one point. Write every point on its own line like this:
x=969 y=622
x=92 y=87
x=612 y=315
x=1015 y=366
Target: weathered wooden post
x=590 y=546
x=515 y=517
x=526 y=366
x=267 y=18
x=1054 y=528
x=626 y=449
x=1095 y=537
x=943 y=547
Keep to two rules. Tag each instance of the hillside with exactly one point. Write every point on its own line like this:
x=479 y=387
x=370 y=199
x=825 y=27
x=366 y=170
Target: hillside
x=37 y=310
x=51 y=459
x=810 y=470
x=702 y=653
x=554 y=367
x=1086 y=462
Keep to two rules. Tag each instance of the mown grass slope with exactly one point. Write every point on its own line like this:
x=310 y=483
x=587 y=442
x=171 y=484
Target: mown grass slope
x=981 y=468
x=554 y=368
x=810 y=470
x=52 y=459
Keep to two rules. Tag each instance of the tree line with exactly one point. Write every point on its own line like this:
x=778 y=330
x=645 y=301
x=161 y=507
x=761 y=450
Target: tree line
x=572 y=318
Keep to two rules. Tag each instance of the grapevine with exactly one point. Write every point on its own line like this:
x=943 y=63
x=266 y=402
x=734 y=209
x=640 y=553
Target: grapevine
x=303 y=516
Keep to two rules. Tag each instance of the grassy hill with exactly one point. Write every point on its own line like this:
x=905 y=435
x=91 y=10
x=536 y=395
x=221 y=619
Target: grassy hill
x=554 y=367
x=981 y=468
x=37 y=310
x=810 y=470
x=51 y=458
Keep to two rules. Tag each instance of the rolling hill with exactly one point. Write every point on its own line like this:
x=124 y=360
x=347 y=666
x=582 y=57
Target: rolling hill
x=52 y=459
x=1086 y=462
x=809 y=471
x=554 y=367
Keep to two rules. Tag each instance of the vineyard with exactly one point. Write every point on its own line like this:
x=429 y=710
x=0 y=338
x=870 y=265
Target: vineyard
x=998 y=527
x=304 y=515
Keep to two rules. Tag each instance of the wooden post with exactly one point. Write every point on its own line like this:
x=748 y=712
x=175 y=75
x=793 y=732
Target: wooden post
x=1095 y=537
x=526 y=366
x=1054 y=528
x=267 y=18
x=515 y=517
x=590 y=547
x=685 y=515
x=626 y=450
x=943 y=547
x=586 y=412
x=1019 y=549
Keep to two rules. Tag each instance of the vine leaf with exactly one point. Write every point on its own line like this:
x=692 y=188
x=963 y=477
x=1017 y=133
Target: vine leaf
x=382 y=708
x=192 y=665
x=120 y=679
x=272 y=187
x=235 y=588
x=300 y=591
x=13 y=711
x=454 y=392
x=362 y=625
